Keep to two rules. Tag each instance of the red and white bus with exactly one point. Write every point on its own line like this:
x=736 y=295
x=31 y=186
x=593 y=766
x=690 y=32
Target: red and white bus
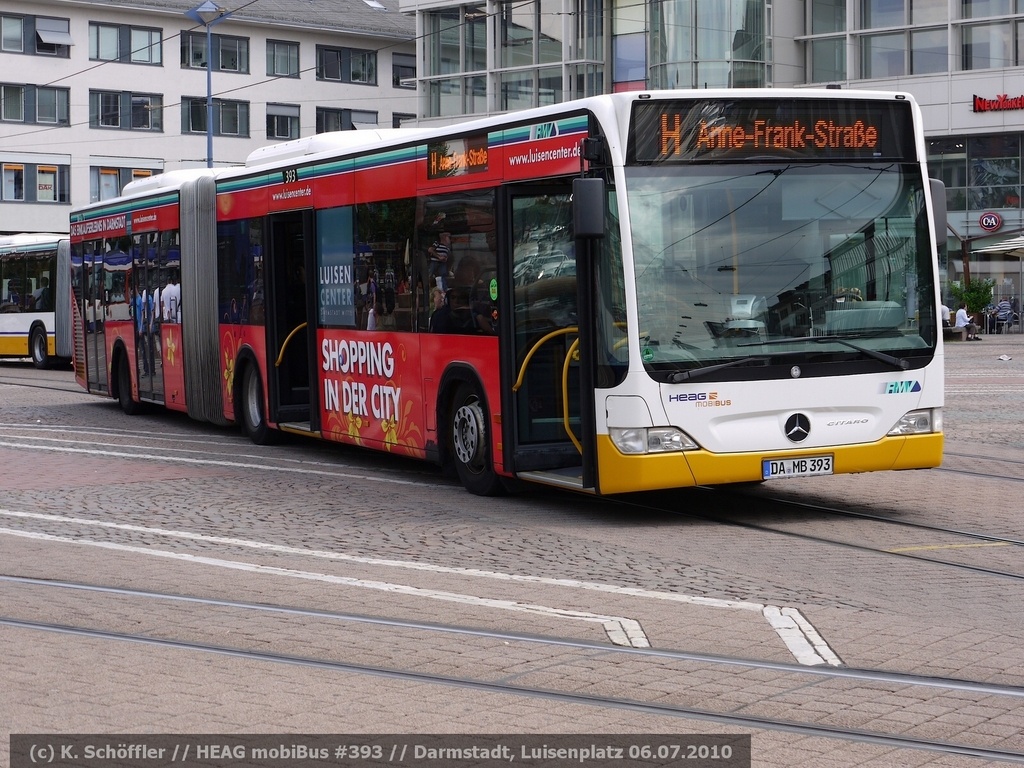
x=645 y=290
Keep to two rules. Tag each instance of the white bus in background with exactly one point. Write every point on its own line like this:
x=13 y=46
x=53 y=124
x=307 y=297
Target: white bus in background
x=35 y=316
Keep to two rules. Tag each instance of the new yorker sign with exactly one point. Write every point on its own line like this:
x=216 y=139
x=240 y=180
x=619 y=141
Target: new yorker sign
x=1000 y=103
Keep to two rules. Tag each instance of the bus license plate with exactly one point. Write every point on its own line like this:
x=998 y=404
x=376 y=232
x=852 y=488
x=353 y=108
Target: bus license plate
x=802 y=467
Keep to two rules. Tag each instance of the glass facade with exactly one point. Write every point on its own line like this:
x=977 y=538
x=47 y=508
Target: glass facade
x=708 y=44
x=981 y=173
x=548 y=51
x=897 y=38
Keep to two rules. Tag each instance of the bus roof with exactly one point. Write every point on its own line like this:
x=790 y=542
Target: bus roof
x=12 y=242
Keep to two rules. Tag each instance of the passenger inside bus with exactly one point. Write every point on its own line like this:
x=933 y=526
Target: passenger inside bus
x=457 y=315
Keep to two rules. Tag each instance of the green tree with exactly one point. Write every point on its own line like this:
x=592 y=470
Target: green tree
x=976 y=293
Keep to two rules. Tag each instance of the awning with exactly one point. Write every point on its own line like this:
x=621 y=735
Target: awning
x=1012 y=247
x=54 y=31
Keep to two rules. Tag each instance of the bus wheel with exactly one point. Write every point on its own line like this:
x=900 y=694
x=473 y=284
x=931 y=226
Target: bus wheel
x=124 y=389
x=254 y=420
x=38 y=348
x=470 y=443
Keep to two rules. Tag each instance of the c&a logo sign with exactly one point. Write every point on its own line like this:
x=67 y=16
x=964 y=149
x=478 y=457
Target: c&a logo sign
x=990 y=221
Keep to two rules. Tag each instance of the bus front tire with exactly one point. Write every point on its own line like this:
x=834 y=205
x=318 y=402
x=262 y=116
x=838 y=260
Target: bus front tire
x=469 y=439
x=124 y=389
x=38 y=348
x=254 y=418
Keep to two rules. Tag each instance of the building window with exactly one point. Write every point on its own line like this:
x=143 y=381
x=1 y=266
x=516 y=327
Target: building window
x=364 y=67
x=329 y=119
x=929 y=51
x=282 y=59
x=107 y=110
x=928 y=12
x=884 y=55
x=994 y=172
x=397 y=118
x=346 y=65
x=344 y=119
x=14 y=182
x=104 y=42
x=976 y=9
x=230 y=118
x=104 y=109
x=987 y=46
x=230 y=54
x=403 y=70
x=108 y=184
x=52 y=105
x=193 y=51
x=234 y=54
x=282 y=121
x=234 y=118
x=13 y=106
x=12 y=34
x=147 y=112
x=146 y=46
x=53 y=37
x=46 y=184
x=884 y=13
x=828 y=16
x=363 y=119
x=828 y=60
x=629 y=58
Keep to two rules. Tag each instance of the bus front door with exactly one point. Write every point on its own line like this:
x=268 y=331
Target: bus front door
x=291 y=321
x=542 y=390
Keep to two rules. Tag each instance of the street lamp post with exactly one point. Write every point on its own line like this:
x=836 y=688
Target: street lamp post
x=208 y=14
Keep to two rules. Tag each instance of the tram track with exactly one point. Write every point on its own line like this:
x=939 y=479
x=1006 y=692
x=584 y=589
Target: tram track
x=26 y=382
x=774 y=505
x=557 y=682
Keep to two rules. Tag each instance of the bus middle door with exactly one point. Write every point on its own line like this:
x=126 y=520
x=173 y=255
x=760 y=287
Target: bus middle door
x=291 y=320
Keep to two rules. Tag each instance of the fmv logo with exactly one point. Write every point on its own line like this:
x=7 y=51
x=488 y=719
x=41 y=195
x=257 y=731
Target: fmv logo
x=901 y=387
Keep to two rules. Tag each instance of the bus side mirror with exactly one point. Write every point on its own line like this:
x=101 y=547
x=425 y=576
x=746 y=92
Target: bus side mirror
x=588 y=204
x=939 y=211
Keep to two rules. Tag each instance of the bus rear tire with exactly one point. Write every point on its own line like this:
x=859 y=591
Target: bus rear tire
x=470 y=443
x=38 y=349
x=124 y=389
x=254 y=419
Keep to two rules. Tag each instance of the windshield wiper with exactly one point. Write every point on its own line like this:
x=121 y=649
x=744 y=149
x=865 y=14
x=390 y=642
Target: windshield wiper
x=895 y=362
x=693 y=373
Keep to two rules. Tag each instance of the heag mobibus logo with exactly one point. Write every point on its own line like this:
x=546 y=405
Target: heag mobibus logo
x=901 y=387
x=700 y=399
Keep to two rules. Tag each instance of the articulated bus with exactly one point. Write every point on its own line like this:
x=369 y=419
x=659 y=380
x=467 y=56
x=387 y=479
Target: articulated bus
x=627 y=292
x=35 y=315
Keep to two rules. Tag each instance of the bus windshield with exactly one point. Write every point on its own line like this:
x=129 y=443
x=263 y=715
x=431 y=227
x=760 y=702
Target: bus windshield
x=776 y=259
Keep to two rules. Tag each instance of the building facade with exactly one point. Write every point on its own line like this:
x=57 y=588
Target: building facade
x=963 y=60
x=94 y=96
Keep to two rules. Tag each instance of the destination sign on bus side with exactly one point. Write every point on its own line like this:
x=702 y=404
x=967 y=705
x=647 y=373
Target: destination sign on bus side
x=457 y=157
x=732 y=129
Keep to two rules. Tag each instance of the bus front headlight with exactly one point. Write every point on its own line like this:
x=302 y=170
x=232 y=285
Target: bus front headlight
x=922 y=422
x=651 y=440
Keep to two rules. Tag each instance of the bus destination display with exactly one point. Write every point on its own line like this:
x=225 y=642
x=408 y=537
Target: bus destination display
x=680 y=131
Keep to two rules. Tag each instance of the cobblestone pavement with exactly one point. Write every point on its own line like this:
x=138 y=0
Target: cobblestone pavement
x=161 y=514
